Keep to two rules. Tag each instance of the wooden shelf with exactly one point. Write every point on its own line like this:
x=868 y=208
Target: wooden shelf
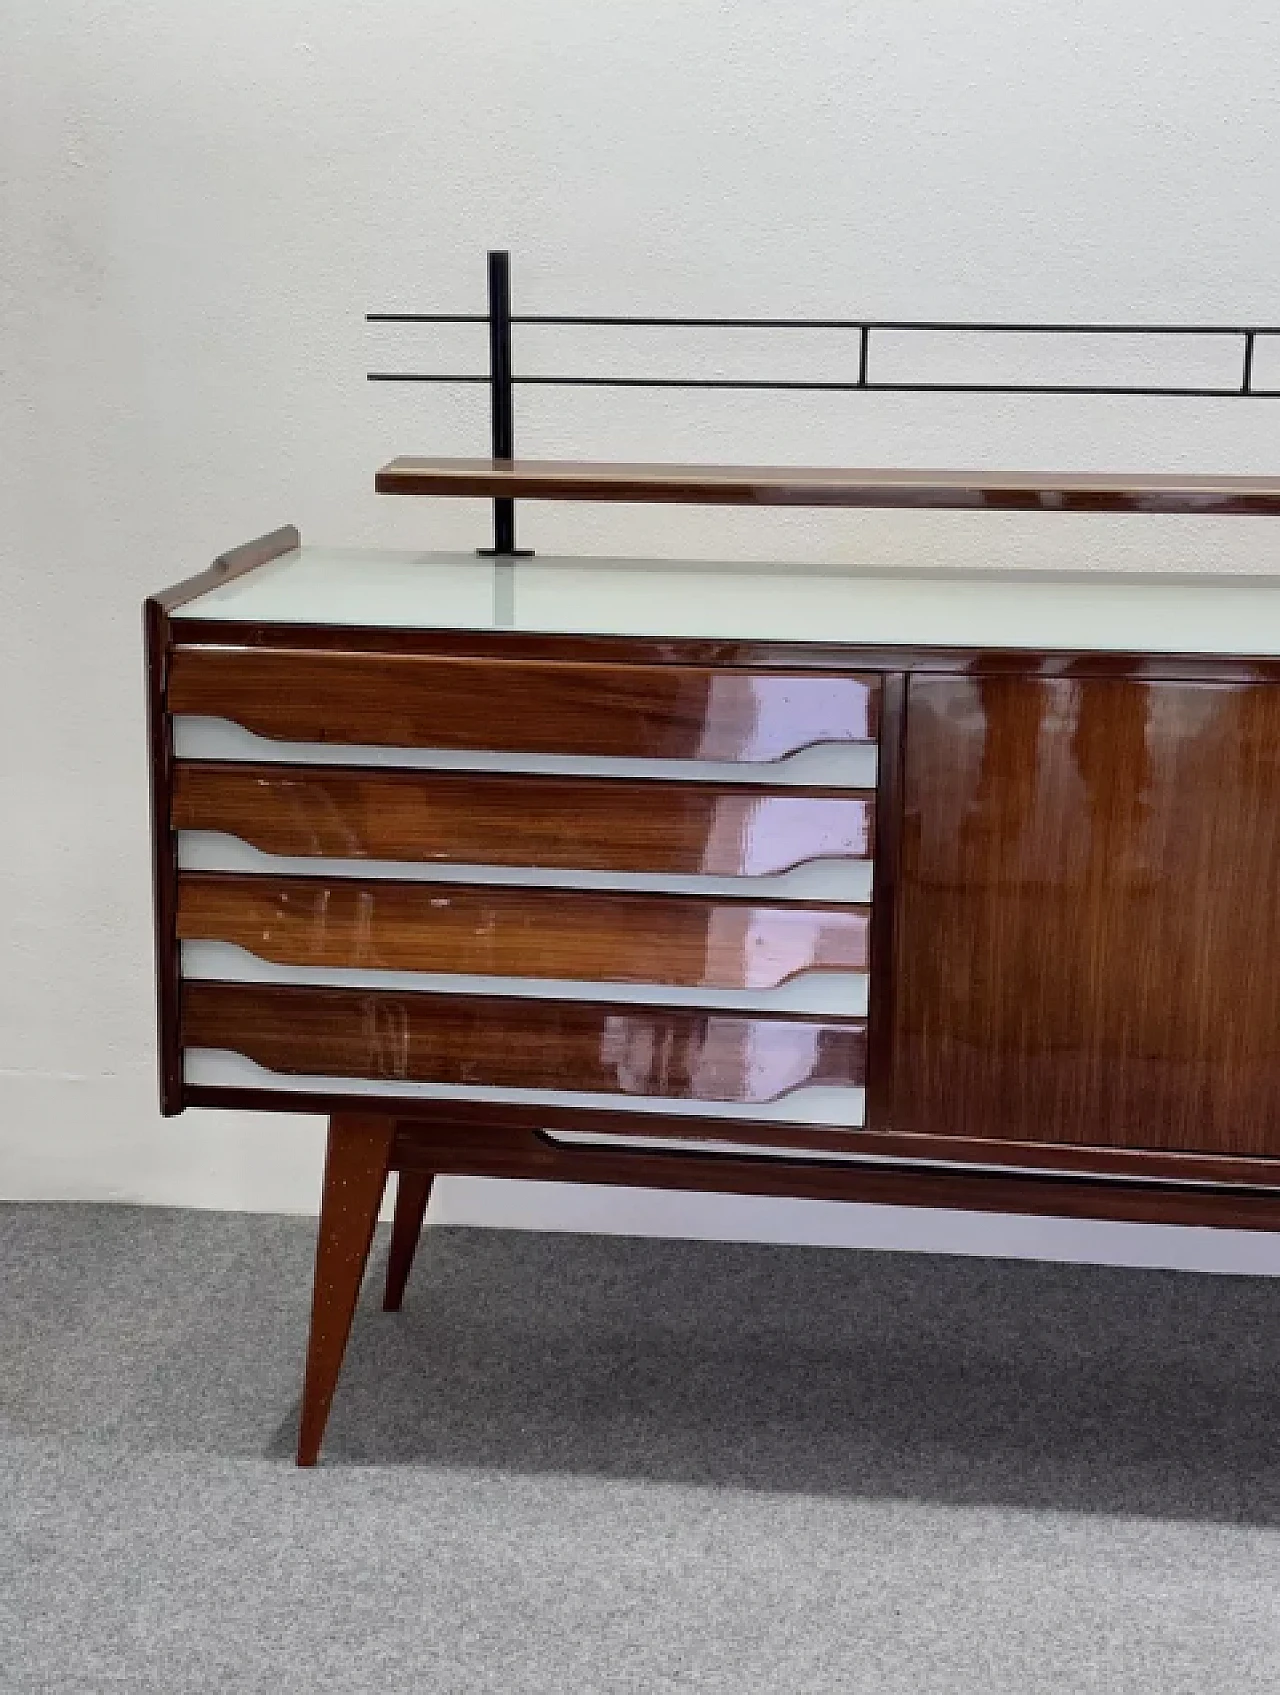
x=785 y=485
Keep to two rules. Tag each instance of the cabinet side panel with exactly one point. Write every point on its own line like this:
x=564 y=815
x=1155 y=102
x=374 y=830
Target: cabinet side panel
x=1087 y=937
x=164 y=864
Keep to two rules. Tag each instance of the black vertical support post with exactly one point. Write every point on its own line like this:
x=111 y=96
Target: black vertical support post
x=500 y=399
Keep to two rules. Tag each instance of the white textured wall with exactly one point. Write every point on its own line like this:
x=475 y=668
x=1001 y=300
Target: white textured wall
x=198 y=203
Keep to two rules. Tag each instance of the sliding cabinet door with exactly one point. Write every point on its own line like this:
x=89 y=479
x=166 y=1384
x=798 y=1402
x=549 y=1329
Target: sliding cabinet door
x=1088 y=936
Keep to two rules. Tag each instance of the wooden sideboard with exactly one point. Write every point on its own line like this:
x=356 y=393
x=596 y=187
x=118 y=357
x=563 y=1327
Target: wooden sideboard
x=934 y=888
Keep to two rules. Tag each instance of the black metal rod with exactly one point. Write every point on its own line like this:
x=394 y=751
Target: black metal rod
x=427 y=377
x=803 y=386
x=620 y=322
x=502 y=381
x=503 y=421
x=502 y=411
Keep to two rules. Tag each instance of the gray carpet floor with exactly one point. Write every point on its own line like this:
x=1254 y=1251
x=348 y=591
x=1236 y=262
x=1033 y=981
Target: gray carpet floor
x=614 y=1465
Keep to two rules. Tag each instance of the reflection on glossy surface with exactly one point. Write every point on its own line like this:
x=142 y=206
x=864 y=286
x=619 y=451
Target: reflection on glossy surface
x=586 y=824
x=389 y=926
x=512 y=705
x=1087 y=940
x=526 y=1044
x=814 y=1111
x=1228 y=608
x=831 y=882
x=755 y=718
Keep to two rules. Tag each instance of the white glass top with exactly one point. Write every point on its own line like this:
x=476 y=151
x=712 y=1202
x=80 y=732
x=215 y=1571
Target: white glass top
x=1120 y=611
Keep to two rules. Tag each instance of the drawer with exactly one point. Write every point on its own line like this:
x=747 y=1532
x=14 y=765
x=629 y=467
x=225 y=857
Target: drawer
x=383 y=925
x=594 y=1048
x=609 y=824
x=523 y=706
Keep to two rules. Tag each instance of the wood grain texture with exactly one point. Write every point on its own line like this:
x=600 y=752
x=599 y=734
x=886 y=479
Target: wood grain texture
x=475 y=1150
x=1147 y=1165
x=382 y=925
x=521 y=706
x=357 y=1163
x=1087 y=941
x=884 y=904
x=605 y=824
x=228 y=566
x=744 y=655
x=1153 y=1169
x=787 y=485
x=511 y=1042
x=413 y=1191
x=514 y=1115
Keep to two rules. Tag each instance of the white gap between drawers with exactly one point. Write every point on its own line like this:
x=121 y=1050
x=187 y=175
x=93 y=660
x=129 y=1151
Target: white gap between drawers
x=834 y=882
x=839 y=994
x=849 y=765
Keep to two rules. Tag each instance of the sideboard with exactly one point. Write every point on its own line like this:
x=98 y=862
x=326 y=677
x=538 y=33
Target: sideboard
x=950 y=888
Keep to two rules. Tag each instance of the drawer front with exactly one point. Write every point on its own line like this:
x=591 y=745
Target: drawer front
x=585 y=824
x=495 y=1042
x=515 y=706
x=386 y=925
x=637 y=892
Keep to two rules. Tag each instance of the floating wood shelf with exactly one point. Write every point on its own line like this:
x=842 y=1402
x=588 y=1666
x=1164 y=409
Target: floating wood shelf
x=786 y=485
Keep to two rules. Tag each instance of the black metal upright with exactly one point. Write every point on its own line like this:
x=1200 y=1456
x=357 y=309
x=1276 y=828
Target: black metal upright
x=500 y=400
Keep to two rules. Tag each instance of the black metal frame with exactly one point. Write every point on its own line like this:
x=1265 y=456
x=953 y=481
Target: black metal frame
x=502 y=381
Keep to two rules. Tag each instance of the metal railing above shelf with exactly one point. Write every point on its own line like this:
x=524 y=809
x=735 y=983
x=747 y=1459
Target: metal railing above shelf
x=781 y=486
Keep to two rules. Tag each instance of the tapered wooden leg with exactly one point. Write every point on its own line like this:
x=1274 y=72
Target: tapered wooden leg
x=413 y=1191
x=355 y=1176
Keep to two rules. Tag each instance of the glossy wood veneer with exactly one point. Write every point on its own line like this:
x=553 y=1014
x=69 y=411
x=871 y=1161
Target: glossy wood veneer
x=788 y=485
x=383 y=925
x=1087 y=945
x=751 y=654
x=609 y=824
x=884 y=904
x=683 y=1128
x=477 y=1151
x=407 y=700
x=158 y=643
x=517 y=1043
x=1191 y=1205
x=908 y=1152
